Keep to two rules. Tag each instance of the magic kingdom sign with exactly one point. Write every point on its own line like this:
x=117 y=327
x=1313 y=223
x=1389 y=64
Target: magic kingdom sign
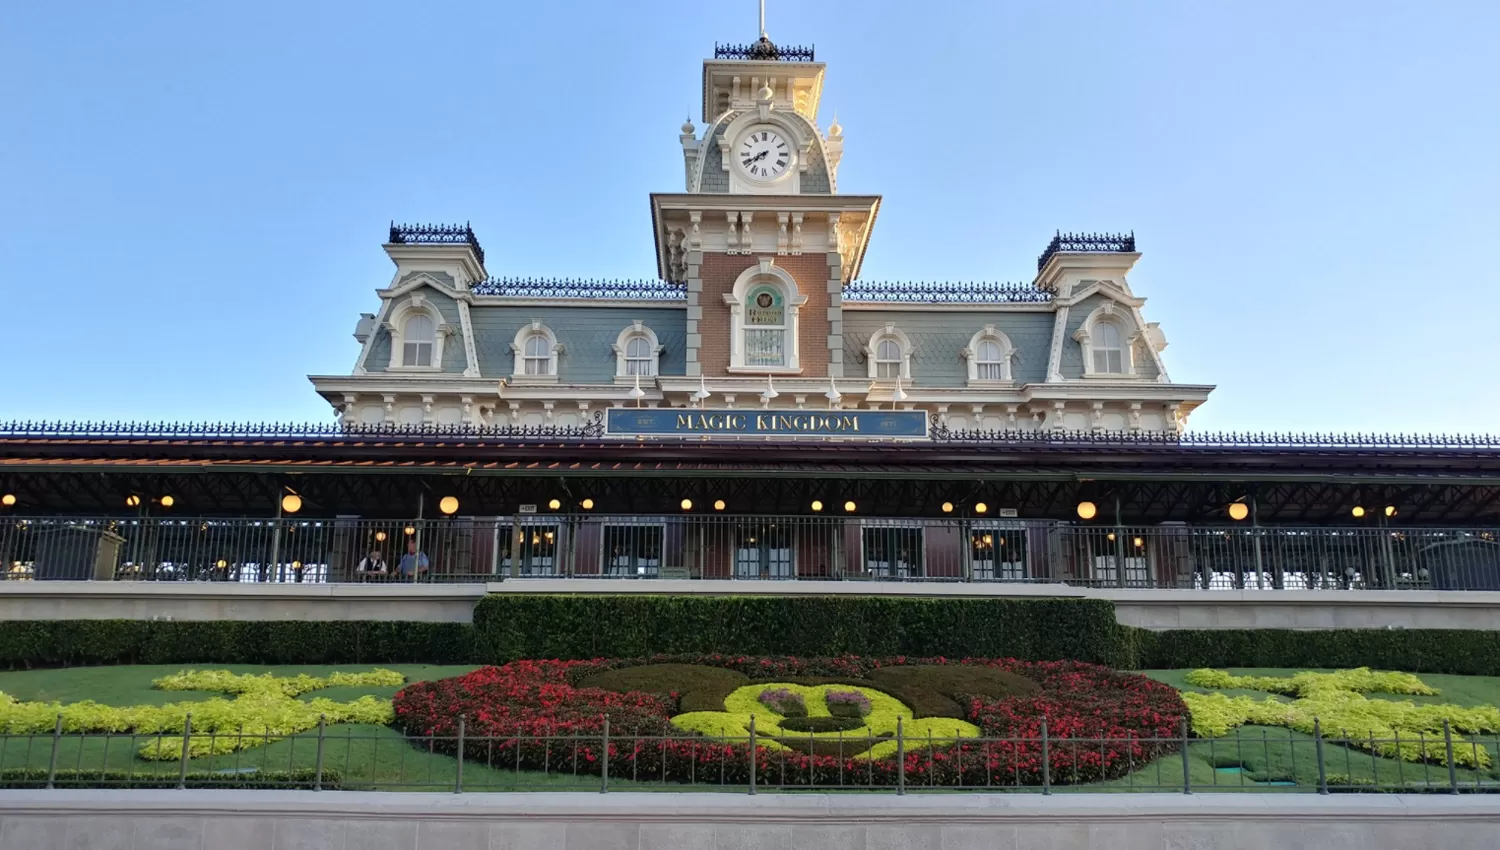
x=844 y=424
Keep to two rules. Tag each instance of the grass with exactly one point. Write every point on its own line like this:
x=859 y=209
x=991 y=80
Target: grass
x=1249 y=759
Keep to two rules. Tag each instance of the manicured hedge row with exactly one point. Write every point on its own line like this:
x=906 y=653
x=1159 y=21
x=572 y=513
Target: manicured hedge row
x=507 y=627
x=571 y=627
x=1473 y=653
x=63 y=643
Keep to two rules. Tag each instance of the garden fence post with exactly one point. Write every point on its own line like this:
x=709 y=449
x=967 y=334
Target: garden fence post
x=458 y=778
x=1187 y=770
x=318 y=766
x=900 y=759
x=56 y=741
x=1452 y=768
x=604 y=760
x=1046 y=760
x=752 y=754
x=1322 y=762
x=187 y=742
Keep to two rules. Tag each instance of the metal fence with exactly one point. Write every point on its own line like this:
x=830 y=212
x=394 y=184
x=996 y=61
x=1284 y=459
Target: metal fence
x=718 y=546
x=383 y=759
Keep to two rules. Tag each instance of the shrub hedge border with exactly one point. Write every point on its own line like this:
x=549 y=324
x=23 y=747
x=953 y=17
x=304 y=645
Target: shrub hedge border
x=507 y=627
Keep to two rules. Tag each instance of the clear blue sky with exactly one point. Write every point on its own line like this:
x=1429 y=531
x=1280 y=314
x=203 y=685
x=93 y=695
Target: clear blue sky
x=193 y=195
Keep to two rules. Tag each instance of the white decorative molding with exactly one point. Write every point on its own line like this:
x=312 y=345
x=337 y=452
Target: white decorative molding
x=636 y=330
x=552 y=349
x=765 y=272
x=1124 y=324
x=970 y=353
x=889 y=333
x=416 y=305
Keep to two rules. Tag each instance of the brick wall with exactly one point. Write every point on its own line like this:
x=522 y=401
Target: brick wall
x=718 y=273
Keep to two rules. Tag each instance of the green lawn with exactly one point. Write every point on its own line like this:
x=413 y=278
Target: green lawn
x=1252 y=758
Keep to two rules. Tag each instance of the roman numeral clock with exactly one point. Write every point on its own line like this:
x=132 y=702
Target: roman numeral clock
x=763 y=155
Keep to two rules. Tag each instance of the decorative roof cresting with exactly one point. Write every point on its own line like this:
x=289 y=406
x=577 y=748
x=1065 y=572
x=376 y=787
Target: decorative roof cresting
x=436 y=234
x=1087 y=243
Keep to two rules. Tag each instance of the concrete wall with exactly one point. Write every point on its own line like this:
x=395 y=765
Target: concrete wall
x=270 y=820
x=453 y=603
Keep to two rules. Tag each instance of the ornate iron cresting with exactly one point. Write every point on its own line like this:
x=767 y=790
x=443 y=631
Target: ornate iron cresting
x=312 y=432
x=763 y=50
x=946 y=292
x=436 y=234
x=1094 y=243
x=527 y=287
x=594 y=428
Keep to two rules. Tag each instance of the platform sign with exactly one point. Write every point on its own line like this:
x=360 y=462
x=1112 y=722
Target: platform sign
x=842 y=424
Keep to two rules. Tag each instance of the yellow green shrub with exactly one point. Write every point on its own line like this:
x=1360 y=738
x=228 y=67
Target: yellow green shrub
x=264 y=710
x=1336 y=701
x=878 y=726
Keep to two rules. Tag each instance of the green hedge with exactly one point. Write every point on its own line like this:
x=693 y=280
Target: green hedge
x=1473 y=653
x=65 y=643
x=529 y=626
x=507 y=627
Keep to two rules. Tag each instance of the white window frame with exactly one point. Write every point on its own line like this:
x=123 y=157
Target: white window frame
x=889 y=333
x=518 y=351
x=765 y=273
x=1129 y=336
x=1007 y=353
x=411 y=345
x=735 y=549
x=416 y=305
x=636 y=331
x=1000 y=570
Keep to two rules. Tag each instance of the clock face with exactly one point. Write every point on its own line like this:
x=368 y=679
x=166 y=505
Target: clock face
x=764 y=155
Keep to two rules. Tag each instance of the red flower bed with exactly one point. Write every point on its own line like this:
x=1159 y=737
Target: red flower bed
x=1100 y=724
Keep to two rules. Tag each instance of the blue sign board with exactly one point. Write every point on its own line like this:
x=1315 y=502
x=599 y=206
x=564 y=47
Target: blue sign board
x=692 y=422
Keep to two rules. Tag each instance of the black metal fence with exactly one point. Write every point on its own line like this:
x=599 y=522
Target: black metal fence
x=738 y=547
x=384 y=759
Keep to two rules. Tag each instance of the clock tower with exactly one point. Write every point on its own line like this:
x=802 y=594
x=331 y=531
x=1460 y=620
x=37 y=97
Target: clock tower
x=760 y=236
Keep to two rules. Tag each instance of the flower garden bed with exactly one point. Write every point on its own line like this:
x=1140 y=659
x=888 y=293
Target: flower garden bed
x=975 y=722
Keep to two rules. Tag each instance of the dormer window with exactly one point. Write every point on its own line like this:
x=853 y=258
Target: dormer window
x=889 y=354
x=989 y=354
x=637 y=353
x=535 y=350
x=1108 y=348
x=418 y=340
x=987 y=364
x=1108 y=340
x=417 y=331
x=888 y=359
x=538 y=357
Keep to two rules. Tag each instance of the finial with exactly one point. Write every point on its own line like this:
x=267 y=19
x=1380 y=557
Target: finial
x=835 y=129
x=688 y=127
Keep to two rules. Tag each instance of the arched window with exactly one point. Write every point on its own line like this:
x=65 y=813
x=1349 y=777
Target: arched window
x=638 y=357
x=987 y=365
x=538 y=356
x=763 y=306
x=889 y=354
x=1108 y=349
x=637 y=353
x=765 y=327
x=535 y=350
x=989 y=353
x=417 y=340
x=888 y=359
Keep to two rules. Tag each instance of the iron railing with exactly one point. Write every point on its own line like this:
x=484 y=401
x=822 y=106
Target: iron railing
x=946 y=292
x=738 y=547
x=334 y=431
x=763 y=49
x=386 y=759
x=1110 y=243
x=436 y=234
x=529 y=287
